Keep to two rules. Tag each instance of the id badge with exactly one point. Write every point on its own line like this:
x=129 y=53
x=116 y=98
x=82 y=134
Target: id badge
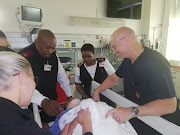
x=101 y=64
x=47 y=67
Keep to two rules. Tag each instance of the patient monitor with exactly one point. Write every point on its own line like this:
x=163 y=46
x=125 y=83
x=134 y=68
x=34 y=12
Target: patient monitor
x=31 y=16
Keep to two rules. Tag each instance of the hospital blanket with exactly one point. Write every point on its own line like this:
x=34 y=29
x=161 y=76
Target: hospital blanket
x=100 y=124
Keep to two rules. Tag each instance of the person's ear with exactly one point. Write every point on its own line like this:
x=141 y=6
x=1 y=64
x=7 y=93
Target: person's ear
x=22 y=78
x=36 y=42
x=125 y=41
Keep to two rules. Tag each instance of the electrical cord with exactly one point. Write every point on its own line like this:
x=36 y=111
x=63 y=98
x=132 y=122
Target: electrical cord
x=20 y=26
x=107 y=51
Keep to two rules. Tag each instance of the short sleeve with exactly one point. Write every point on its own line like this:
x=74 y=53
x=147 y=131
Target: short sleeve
x=77 y=75
x=119 y=71
x=109 y=68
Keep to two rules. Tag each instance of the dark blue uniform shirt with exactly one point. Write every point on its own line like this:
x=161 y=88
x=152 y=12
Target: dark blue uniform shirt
x=147 y=79
x=17 y=121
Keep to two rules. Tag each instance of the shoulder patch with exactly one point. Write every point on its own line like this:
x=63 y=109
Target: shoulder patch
x=100 y=59
x=27 y=54
x=80 y=64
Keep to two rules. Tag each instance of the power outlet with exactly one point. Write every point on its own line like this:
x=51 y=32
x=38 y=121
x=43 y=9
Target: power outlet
x=73 y=44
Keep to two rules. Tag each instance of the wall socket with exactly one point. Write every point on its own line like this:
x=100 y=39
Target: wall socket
x=73 y=44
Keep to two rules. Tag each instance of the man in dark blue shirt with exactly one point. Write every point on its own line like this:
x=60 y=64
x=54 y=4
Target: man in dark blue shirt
x=147 y=82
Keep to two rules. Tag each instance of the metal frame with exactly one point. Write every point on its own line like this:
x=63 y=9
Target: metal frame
x=37 y=117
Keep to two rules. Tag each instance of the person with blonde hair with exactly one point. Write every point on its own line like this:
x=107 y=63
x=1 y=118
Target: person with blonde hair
x=17 y=84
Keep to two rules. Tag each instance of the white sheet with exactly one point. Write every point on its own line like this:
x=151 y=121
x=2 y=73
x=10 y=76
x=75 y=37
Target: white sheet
x=101 y=125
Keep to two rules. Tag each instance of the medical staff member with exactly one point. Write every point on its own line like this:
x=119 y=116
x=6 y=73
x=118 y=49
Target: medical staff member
x=17 y=84
x=45 y=64
x=37 y=97
x=92 y=69
x=16 y=88
x=147 y=82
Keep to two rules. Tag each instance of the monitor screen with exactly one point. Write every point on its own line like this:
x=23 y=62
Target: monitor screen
x=30 y=14
x=128 y=9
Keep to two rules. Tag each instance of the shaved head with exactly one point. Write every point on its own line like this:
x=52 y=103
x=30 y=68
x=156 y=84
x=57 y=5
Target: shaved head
x=45 y=43
x=44 y=33
x=123 y=32
x=2 y=34
x=124 y=43
x=3 y=40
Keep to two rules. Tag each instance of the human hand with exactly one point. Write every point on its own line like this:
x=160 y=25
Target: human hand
x=84 y=119
x=121 y=115
x=51 y=107
x=72 y=125
x=96 y=96
x=84 y=116
x=66 y=130
x=68 y=98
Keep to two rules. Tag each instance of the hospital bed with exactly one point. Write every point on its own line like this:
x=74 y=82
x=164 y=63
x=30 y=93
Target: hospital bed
x=36 y=114
x=161 y=125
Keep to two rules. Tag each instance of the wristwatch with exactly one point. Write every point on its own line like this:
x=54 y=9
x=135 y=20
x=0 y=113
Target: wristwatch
x=135 y=111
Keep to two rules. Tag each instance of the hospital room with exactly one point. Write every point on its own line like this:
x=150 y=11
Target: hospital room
x=89 y=67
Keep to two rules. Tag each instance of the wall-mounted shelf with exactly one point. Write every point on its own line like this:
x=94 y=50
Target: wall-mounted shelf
x=96 y=22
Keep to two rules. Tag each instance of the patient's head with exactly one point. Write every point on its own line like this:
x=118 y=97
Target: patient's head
x=73 y=102
x=3 y=40
x=16 y=78
x=5 y=48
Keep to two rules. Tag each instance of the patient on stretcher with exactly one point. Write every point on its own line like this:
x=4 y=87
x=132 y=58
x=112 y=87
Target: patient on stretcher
x=100 y=124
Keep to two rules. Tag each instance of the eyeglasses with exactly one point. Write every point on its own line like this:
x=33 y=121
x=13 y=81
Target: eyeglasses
x=113 y=46
x=36 y=79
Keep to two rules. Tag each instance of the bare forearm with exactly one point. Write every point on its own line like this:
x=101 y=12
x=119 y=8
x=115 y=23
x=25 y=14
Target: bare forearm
x=72 y=125
x=79 y=88
x=158 y=107
x=87 y=127
x=108 y=83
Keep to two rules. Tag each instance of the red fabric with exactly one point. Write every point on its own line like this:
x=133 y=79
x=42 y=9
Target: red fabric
x=27 y=54
x=60 y=92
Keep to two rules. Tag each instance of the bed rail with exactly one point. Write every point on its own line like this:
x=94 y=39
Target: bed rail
x=159 y=124
x=37 y=117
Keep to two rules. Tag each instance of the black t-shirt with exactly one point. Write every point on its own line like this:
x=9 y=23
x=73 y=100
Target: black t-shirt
x=17 y=121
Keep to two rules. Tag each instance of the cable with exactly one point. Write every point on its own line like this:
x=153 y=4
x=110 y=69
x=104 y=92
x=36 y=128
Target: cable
x=99 y=47
x=160 y=35
x=117 y=58
x=20 y=26
x=107 y=51
x=70 y=67
x=32 y=31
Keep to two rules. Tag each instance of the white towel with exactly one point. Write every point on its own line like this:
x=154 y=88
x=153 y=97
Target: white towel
x=100 y=124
